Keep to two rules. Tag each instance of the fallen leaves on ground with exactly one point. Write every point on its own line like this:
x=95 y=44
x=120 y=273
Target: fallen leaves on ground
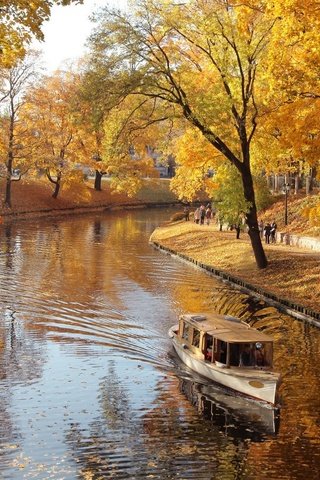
x=292 y=273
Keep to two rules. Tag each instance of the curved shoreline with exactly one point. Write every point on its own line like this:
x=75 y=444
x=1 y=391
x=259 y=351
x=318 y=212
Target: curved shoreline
x=293 y=309
x=81 y=209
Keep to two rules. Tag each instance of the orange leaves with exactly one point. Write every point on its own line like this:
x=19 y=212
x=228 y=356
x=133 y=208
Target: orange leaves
x=20 y=21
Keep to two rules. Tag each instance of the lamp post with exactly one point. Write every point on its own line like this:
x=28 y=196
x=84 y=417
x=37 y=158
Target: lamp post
x=286 y=189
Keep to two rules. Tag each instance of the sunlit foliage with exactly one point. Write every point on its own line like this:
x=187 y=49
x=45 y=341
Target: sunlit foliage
x=20 y=21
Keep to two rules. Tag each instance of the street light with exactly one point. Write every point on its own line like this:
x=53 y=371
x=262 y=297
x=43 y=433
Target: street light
x=286 y=189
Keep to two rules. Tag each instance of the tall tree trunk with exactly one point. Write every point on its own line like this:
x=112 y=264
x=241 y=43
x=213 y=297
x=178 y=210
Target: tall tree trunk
x=308 y=184
x=296 y=184
x=7 y=200
x=56 y=189
x=97 y=180
x=56 y=183
x=252 y=218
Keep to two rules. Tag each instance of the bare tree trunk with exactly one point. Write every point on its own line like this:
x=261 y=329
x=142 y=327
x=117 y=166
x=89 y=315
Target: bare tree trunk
x=97 y=180
x=57 y=183
x=56 y=190
x=308 y=184
x=296 y=184
x=7 y=200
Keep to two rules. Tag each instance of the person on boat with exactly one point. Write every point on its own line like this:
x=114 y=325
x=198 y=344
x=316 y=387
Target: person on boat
x=209 y=343
x=246 y=357
x=259 y=355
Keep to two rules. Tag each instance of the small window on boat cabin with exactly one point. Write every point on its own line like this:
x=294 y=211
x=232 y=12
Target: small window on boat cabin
x=254 y=355
x=185 y=331
x=221 y=353
x=196 y=338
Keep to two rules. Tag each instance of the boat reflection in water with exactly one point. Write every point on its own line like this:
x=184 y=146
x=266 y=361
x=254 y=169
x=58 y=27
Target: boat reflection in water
x=235 y=416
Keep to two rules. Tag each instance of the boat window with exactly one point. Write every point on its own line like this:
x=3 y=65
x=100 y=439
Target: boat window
x=221 y=351
x=196 y=338
x=208 y=348
x=246 y=358
x=185 y=331
x=255 y=355
x=234 y=354
x=262 y=353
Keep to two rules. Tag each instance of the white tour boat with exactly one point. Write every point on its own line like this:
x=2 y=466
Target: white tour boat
x=229 y=352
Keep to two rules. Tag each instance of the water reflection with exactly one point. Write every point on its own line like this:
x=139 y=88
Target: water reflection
x=89 y=387
x=235 y=416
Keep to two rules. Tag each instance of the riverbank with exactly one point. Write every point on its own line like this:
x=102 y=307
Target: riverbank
x=33 y=198
x=292 y=274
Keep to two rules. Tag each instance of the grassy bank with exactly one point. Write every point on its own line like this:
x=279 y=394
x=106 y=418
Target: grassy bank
x=292 y=273
x=34 y=197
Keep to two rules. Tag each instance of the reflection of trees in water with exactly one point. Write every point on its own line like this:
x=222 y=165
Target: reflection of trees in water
x=9 y=436
x=19 y=353
x=110 y=447
x=114 y=401
x=297 y=348
x=167 y=441
x=20 y=362
x=178 y=436
x=235 y=416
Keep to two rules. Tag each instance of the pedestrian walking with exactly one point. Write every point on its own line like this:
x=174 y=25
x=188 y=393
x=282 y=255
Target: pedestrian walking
x=186 y=212
x=208 y=214
x=267 y=232
x=261 y=228
x=273 y=232
x=196 y=215
x=202 y=214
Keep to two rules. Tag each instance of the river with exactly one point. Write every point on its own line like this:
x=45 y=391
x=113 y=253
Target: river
x=90 y=387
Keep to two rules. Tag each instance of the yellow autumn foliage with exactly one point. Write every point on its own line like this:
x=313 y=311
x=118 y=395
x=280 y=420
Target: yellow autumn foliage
x=20 y=21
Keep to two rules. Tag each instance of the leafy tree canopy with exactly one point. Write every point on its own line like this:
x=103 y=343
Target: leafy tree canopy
x=20 y=20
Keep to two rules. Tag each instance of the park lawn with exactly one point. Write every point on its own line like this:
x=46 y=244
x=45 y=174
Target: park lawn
x=292 y=273
x=33 y=196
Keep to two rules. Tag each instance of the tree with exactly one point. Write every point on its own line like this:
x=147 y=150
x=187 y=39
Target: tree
x=205 y=61
x=227 y=195
x=196 y=161
x=20 y=21
x=290 y=127
x=124 y=147
x=50 y=112
x=17 y=142
x=89 y=111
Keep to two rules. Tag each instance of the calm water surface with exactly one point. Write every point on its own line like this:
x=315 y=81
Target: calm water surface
x=90 y=387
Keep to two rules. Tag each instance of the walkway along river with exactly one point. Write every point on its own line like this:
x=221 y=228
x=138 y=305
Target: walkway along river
x=90 y=387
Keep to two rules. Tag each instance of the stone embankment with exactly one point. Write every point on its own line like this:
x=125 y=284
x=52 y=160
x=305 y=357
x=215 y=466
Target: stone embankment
x=287 y=284
x=297 y=241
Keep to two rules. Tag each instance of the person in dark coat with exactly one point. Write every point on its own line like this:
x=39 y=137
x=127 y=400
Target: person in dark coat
x=202 y=214
x=186 y=212
x=267 y=232
x=273 y=232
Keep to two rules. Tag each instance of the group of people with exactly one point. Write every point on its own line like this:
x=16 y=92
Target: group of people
x=202 y=214
x=268 y=231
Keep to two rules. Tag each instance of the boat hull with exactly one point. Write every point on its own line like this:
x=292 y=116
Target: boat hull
x=258 y=384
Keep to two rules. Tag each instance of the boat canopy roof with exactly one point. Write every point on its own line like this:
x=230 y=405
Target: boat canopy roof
x=226 y=328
